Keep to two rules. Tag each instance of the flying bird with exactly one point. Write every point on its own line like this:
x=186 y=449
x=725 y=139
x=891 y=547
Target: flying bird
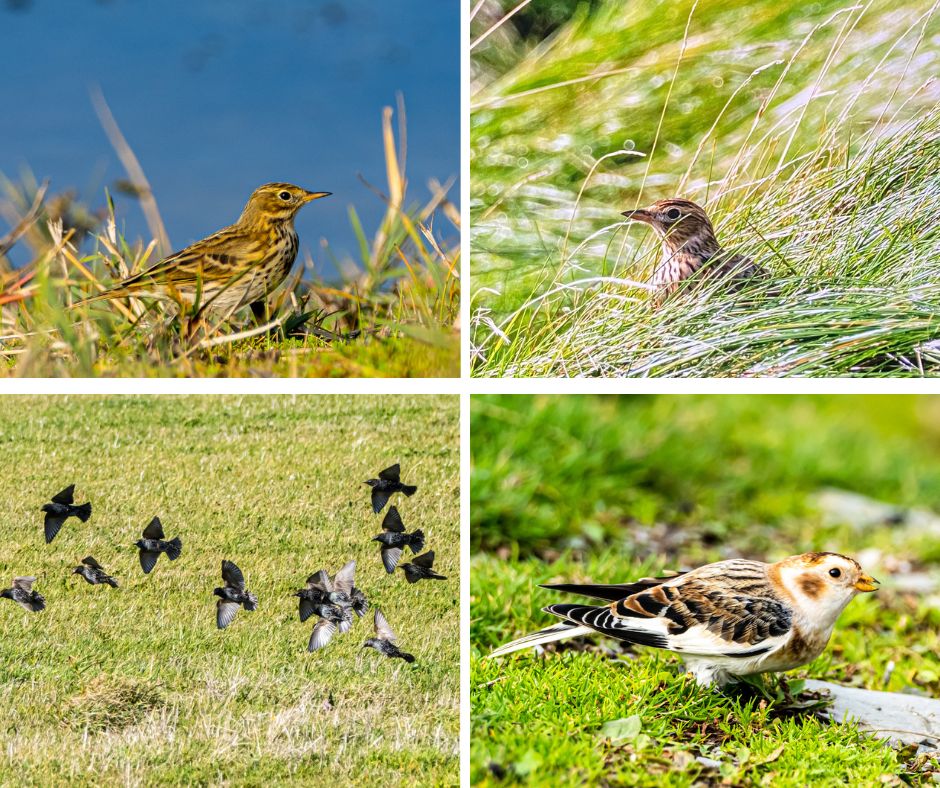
x=420 y=568
x=394 y=539
x=727 y=619
x=384 y=640
x=689 y=245
x=339 y=590
x=331 y=618
x=61 y=509
x=94 y=573
x=153 y=544
x=22 y=593
x=386 y=485
x=232 y=595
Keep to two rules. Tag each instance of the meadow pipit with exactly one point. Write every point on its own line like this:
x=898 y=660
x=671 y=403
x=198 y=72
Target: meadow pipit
x=234 y=267
x=689 y=245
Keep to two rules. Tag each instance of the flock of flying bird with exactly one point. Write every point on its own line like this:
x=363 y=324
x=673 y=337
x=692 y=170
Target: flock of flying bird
x=333 y=599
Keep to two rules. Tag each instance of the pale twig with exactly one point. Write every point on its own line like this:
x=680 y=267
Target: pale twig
x=6 y=243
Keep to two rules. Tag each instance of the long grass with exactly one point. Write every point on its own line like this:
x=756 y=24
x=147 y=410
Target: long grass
x=811 y=134
x=395 y=312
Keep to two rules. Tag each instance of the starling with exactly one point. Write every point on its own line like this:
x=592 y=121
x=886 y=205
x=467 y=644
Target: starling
x=332 y=617
x=22 y=593
x=153 y=544
x=420 y=568
x=689 y=245
x=232 y=595
x=394 y=539
x=339 y=590
x=94 y=573
x=384 y=640
x=388 y=483
x=61 y=509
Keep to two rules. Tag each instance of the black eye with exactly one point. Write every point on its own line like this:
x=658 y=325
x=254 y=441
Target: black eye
x=285 y=196
x=835 y=573
x=673 y=213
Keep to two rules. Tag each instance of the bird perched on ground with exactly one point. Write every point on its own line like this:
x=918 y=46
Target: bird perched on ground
x=394 y=539
x=420 y=568
x=94 y=573
x=61 y=508
x=237 y=266
x=689 y=245
x=339 y=590
x=153 y=544
x=728 y=619
x=22 y=593
x=386 y=485
x=232 y=595
x=384 y=640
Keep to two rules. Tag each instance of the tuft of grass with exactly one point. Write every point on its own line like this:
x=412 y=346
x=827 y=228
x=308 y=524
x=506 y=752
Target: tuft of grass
x=811 y=139
x=135 y=684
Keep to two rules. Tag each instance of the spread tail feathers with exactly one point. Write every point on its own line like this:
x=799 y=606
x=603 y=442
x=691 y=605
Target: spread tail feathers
x=561 y=631
x=409 y=489
x=83 y=511
x=173 y=551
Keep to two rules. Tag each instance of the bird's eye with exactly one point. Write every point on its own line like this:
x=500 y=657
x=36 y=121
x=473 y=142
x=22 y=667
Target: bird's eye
x=285 y=196
x=835 y=573
x=673 y=213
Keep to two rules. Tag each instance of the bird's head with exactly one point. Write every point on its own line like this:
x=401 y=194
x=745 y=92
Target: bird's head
x=371 y=482
x=277 y=202
x=218 y=592
x=824 y=583
x=680 y=223
x=78 y=570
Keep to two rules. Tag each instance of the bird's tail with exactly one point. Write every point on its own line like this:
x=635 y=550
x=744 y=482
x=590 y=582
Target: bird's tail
x=561 y=631
x=416 y=541
x=112 y=582
x=409 y=489
x=83 y=512
x=435 y=576
x=409 y=658
x=252 y=602
x=175 y=548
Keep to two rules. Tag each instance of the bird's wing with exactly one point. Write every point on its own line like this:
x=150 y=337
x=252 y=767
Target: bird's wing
x=154 y=529
x=232 y=575
x=67 y=496
x=382 y=629
x=306 y=609
x=52 y=525
x=425 y=559
x=320 y=581
x=225 y=611
x=24 y=583
x=392 y=521
x=322 y=634
x=89 y=561
x=345 y=578
x=391 y=474
x=379 y=499
x=390 y=557
x=148 y=560
x=610 y=592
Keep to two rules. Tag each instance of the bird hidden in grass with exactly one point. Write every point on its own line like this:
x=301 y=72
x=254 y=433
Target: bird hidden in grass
x=153 y=544
x=384 y=640
x=420 y=568
x=388 y=483
x=94 y=573
x=394 y=539
x=232 y=595
x=725 y=620
x=60 y=509
x=333 y=600
x=22 y=593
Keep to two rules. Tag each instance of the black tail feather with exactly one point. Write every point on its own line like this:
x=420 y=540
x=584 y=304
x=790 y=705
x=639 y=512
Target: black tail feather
x=83 y=512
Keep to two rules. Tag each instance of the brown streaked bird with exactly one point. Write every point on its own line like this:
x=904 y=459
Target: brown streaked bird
x=727 y=619
x=689 y=245
x=237 y=266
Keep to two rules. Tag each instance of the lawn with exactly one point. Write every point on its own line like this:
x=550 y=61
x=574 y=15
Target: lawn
x=809 y=132
x=135 y=685
x=608 y=489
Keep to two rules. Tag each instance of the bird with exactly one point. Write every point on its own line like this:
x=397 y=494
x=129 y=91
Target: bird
x=688 y=246
x=232 y=595
x=725 y=620
x=22 y=593
x=339 y=590
x=384 y=640
x=420 y=568
x=153 y=544
x=94 y=573
x=394 y=539
x=331 y=618
x=237 y=266
x=387 y=484
x=61 y=508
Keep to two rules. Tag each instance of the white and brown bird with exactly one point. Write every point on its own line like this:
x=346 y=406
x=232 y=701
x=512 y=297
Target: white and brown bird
x=727 y=619
x=689 y=245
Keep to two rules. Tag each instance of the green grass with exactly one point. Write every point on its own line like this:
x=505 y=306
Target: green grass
x=136 y=685
x=810 y=134
x=605 y=489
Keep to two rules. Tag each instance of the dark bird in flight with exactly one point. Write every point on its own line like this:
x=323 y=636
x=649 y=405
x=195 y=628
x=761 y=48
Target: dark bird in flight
x=394 y=539
x=331 y=618
x=384 y=640
x=232 y=595
x=61 y=509
x=94 y=573
x=153 y=544
x=386 y=485
x=22 y=593
x=420 y=568
x=339 y=590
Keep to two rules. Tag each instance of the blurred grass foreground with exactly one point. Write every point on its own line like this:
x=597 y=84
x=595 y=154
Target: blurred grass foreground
x=395 y=314
x=811 y=133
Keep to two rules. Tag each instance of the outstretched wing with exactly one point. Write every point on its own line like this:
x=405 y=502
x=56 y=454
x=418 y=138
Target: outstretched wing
x=148 y=560
x=391 y=474
x=24 y=583
x=382 y=629
x=392 y=521
x=345 y=578
x=67 y=496
x=321 y=635
x=89 y=561
x=232 y=575
x=225 y=611
x=425 y=559
x=390 y=558
x=154 y=529
x=52 y=524
x=320 y=581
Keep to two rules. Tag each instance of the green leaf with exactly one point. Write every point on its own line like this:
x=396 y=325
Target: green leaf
x=625 y=729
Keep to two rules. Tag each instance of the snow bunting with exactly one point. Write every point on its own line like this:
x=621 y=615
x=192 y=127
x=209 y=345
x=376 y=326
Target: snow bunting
x=727 y=619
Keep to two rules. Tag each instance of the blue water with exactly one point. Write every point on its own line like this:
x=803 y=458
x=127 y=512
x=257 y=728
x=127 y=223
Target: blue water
x=216 y=97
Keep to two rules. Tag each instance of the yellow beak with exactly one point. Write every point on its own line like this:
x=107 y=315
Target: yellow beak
x=866 y=583
x=309 y=196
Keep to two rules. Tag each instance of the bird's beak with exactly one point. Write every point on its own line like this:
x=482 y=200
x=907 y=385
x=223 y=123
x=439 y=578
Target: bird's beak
x=311 y=196
x=640 y=215
x=866 y=583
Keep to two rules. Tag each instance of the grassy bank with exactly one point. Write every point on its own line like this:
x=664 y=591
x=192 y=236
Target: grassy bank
x=136 y=685
x=809 y=133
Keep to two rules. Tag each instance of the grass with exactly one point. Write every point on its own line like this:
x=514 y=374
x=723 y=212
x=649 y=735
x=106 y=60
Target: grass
x=395 y=314
x=809 y=134
x=609 y=488
x=136 y=685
